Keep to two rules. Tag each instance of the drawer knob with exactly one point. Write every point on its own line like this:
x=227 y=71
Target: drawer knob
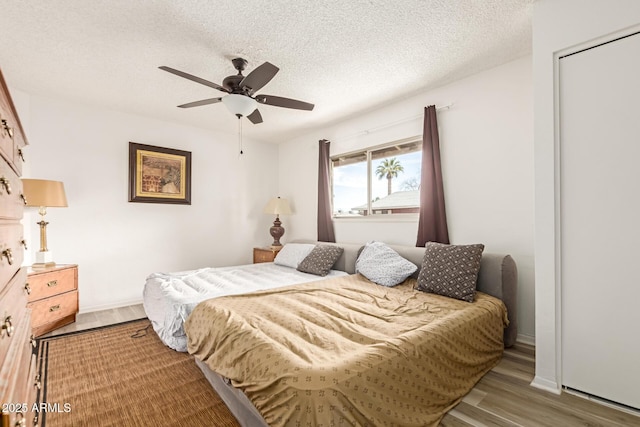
x=7 y=253
x=20 y=422
x=54 y=308
x=6 y=184
x=7 y=128
x=27 y=288
x=24 y=243
x=21 y=154
x=52 y=283
x=7 y=326
x=24 y=199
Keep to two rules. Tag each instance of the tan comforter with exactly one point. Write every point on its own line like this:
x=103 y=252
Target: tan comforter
x=346 y=351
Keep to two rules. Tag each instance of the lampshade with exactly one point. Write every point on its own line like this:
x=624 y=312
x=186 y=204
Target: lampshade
x=278 y=206
x=42 y=192
x=240 y=104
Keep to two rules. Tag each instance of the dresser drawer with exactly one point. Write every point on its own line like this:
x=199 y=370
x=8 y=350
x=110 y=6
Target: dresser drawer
x=13 y=306
x=33 y=385
x=52 y=310
x=11 y=250
x=11 y=197
x=16 y=370
x=54 y=282
x=24 y=378
x=7 y=144
x=12 y=138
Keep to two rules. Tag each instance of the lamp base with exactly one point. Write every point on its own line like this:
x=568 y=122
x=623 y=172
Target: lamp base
x=43 y=259
x=277 y=231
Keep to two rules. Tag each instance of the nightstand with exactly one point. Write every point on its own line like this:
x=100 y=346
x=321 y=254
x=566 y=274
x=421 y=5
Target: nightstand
x=53 y=297
x=267 y=254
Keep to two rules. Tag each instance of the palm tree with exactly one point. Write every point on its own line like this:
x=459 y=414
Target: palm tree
x=389 y=168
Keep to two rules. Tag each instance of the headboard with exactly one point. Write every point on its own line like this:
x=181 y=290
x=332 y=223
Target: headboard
x=498 y=276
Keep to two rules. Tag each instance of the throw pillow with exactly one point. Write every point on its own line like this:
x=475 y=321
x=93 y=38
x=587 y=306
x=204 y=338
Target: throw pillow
x=382 y=265
x=320 y=260
x=450 y=270
x=292 y=254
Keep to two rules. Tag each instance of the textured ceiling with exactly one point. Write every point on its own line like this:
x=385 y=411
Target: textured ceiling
x=344 y=56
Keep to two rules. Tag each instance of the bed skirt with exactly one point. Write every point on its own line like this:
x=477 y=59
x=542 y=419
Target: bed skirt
x=237 y=402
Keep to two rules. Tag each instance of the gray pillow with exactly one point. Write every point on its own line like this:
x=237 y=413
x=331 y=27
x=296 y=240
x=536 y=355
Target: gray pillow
x=382 y=265
x=320 y=260
x=292 y=254
x=450 y=270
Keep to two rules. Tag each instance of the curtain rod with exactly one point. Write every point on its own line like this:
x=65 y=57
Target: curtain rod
x=388 y=125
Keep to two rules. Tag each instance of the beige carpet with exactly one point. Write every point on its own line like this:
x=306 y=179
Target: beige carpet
x=123 y=375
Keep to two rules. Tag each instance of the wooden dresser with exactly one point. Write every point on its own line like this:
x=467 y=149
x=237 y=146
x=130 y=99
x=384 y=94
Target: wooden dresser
x=53 y=297
x=18 y=369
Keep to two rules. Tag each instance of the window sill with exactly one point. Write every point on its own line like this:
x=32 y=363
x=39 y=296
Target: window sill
x=390 y=218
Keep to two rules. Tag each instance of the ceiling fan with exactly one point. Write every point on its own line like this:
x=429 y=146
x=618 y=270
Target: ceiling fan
x=242 y=99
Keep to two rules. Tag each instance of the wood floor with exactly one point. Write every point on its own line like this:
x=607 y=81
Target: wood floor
x=505 y=398
x=101 y=318
x=502 y=398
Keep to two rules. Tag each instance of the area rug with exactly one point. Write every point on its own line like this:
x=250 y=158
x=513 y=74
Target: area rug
x=123 y=375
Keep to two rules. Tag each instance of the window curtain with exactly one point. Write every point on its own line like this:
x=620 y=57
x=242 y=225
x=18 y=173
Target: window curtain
x=325 y=222
x=432 y=225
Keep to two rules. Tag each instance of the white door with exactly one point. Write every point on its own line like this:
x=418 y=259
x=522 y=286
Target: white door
x=599 y=95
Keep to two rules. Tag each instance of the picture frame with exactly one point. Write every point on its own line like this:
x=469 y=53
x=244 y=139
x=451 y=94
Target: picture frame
x=159 y=174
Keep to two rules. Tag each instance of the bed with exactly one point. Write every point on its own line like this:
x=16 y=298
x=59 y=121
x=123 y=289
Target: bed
x=169 y=298
x=347 y=351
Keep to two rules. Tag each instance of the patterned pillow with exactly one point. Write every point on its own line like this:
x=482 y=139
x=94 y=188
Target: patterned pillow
x=382 y=265
x=292 y=254
x=320 y=260
x=450 y=270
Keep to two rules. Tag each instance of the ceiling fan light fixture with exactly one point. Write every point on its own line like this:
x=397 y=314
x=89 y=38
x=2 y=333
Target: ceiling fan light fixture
x=240 y=104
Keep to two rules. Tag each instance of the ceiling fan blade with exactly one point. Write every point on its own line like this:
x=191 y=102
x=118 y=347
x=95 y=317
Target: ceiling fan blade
x=199 y=103
x=259 y=77
x=193 y=78
x=255 y=117
x=278 y=101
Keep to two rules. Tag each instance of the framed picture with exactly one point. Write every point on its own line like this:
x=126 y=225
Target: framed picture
x=159 y=175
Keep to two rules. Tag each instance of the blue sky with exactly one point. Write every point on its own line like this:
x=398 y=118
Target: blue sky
x=350 y=182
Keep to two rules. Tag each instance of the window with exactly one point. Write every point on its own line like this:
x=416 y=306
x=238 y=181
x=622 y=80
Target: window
x=378 y=181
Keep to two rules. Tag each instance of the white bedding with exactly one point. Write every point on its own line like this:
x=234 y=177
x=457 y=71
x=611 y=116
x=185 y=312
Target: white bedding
x=169 y=298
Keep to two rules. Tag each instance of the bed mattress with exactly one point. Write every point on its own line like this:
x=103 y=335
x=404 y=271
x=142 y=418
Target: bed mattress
x=169 y=298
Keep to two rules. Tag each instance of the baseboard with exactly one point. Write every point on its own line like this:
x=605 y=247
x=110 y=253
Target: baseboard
x=546 y=385
x=110 y=306
x=603 y=401
x=526 y=339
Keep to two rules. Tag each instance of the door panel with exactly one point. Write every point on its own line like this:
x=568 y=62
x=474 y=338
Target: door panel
x=600 y=220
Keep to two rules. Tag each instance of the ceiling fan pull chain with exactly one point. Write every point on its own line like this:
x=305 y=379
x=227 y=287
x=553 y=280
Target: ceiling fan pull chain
x=240 y=135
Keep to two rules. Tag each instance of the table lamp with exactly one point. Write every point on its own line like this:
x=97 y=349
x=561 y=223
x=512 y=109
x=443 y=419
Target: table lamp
x=43 y=193
x=277 y=207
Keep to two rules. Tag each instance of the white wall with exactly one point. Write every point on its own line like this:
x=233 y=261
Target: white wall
x=117 y=244
x=486 y=142
x=558 y=26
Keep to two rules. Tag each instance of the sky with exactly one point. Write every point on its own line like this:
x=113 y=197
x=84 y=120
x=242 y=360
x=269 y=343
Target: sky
x=350 y=182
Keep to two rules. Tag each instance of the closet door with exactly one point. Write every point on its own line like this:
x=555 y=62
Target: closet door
x=599 y=95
